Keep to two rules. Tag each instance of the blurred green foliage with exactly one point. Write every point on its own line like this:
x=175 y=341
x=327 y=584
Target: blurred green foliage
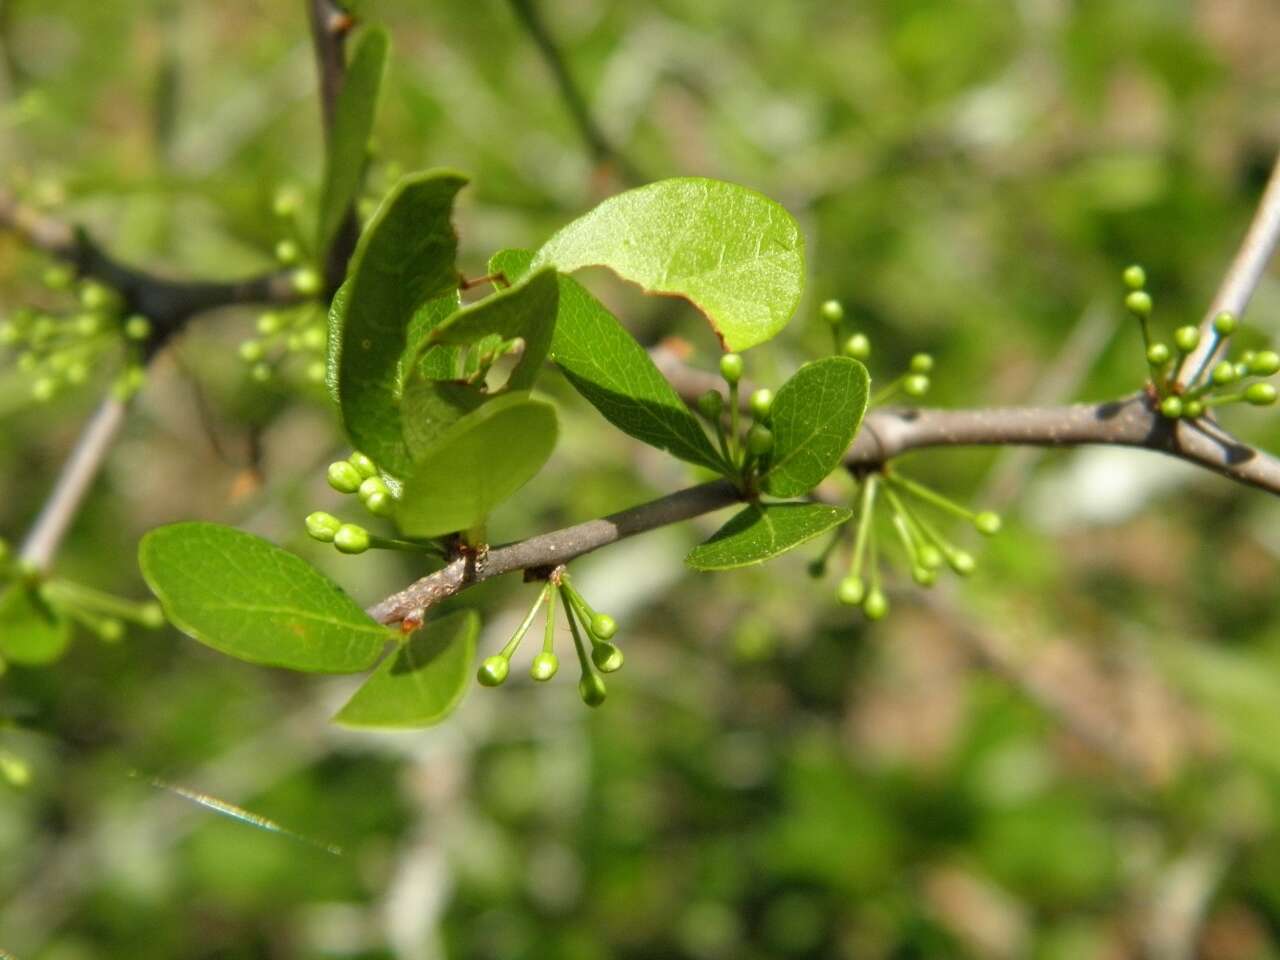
x=1053 y=763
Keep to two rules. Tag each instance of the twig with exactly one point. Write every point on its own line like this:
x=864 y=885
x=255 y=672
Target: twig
x=1242 y=279
x=597 y=143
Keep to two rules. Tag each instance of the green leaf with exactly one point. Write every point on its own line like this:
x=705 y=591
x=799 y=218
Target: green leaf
x=477 y=463
x=352 y=124
x=764 y=531
x=814 y=418
x=421 y=682
x=438 y=390
x=614 y=373
x=249 y=599
x=733 y=253
x=31 y=632
x=405 y=258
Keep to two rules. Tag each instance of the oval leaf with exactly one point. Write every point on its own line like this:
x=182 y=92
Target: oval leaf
x=764 y=531
x=249 y=599
x=477 y=463
x=422 y=681
x=814 y=418
x=614 y=373
x=31 y=632
x=733 y=253
x=405 y=258
x=353 y=115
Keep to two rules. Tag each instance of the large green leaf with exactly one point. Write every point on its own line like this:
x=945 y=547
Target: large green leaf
x=733 y=253
x=814 y=418
x=477 y=463
x=405 y=258
x=437 y=390
x=615 y=374
x=352 y=124
x=764 y=531
x=420 y=683
x=249 y=599
x=31 y=632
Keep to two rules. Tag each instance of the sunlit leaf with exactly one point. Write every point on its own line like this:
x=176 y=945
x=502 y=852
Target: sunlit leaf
x=763 y=531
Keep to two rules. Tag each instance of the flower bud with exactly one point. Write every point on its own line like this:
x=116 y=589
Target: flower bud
x=962 y=562
x=606 y=657
x=731 y=368
x=380 y=504
x=916 y=385
x=1224 y=372
x=851 y=591
x=1157 y=354
x=493 y=671
x=287 y=252
x=1192 y=409
x=1135 y=278
x=371 y=485
x=350 y=538
x=1139 y=303
x=831 y=311
x=363 y=464
x=761 y=403
x=759 y=440
x=344 y=477
x=322 y=526
x=1260 y=394
x=857 y=346
x=137 y=327
x=544 y=666
x=306 y=280
x=1264 y=363
x=591 y=689
x=876 y=606
x=987 y=522
x=1225 y=323
x=921 y=363
x=604 y=626
x=251 y=351
x=270 y=323
x=923 y=575
x=711 y=405
x=1186 y=338
x=1171 y=407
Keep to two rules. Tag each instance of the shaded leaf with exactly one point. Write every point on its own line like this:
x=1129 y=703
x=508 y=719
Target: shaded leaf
x=814 y=418
x=352 y=124
x=422 y=681
x=733 y=253
x=764 y=531
x=405 y=258
x=249 y=599
x=31 y=631
x=477 y=463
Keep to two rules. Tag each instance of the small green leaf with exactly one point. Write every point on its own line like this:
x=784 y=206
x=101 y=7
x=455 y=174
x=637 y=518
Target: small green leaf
x=31 y=632
x=249 y=599
x=422 y=681
x=614 y=373
x=352 y=123
x=405 y=258
x=477 y=463
x=814 y=418
x=764 y=531
x=733 y=253
x=435 y=394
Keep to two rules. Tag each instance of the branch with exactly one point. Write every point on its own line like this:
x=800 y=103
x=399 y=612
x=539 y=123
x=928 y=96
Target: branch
x=1242 y=279
x=597 y=143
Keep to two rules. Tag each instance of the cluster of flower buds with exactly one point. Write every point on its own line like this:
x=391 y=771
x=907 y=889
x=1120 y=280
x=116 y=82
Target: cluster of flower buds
x=925 y=549
x=58 y=350
x=284 y=336
x=745 y=452
x=1211 y=385
x=589 y=629
x=913 y=383
x=360 y=476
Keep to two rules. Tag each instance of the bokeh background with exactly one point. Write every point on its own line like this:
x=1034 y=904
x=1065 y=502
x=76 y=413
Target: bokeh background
x=1075 y=754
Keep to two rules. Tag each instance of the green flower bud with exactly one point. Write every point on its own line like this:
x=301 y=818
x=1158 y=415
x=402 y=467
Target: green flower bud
x=44 y=389
x=261 y=372
x=9 y=333
x=1224 y=372
x=151 y=616
x=711 y=405
x=987 y=522
x=1139 y=303
x=322 y=526
x=1225 y=323
x=59 y=361
x=604 y=626
x=43 y=328
x=251 y=351
x=344 y=477
x=923 y=575
x=350 y=538
x=89 y=324
x=831 y=311
x=15 y=771
x=371 y=485
x=857 y=346
x=1135 y=278
x=916 y=385
x=58 y=277
x=380 y=504
x=591 y=689
x=1264 y=363
x=287 y=252
x=1260 y=394
x=931 y=556
x=27 y=362
x=851 y=591
x=544 y=666
x=1158 y=354
x=77 y=372
x=731 y=368
x=306 y=280
x=759 y=440
x=1242 y=370
x=315 y=338
x=270 y=323
x=962 y=562
x=363 y=464
x=316 y=371
x=286 y=201
x=1246 y=358
x=493 y=671
x=294 y=343
x=1186 y=338
x=94 y=296
x=1171 y=407
x=921 y=363
x=1192 y=409
x=137 y=327
x=110 y=629
x=876 y=606
x=606 y=657
x=761 y=403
